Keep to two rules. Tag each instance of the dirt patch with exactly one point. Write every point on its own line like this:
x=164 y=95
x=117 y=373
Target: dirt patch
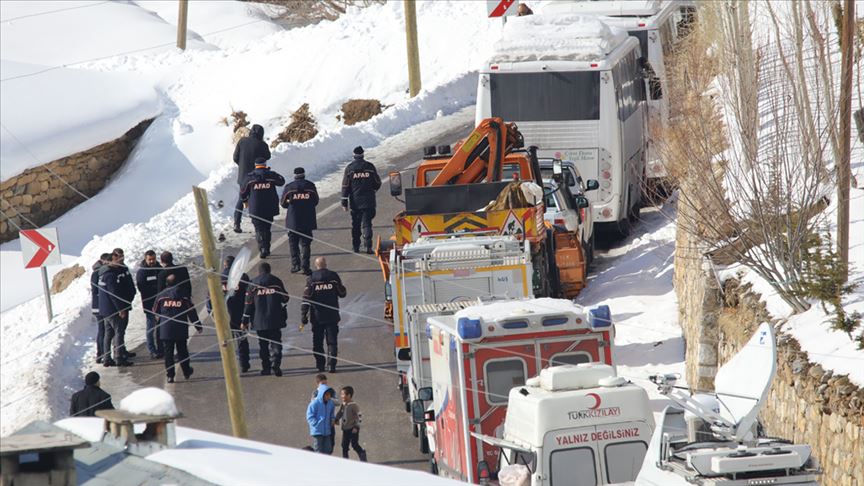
x=236 y=120
x=65 y=277
x=356 y=111
x=303 y=127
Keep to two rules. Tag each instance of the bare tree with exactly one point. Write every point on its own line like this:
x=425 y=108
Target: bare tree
x=753 y=150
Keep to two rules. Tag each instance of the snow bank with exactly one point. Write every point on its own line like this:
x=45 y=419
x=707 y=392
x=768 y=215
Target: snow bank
x=556 y=37
x=28 y=282
x=222 y=459
x=150 y=401
x=63 y=32
x=41 y=113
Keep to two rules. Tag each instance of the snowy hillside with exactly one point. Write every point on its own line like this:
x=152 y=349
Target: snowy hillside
x=148 y=203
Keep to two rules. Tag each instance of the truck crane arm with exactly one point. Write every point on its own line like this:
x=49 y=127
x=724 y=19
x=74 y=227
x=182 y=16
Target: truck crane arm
x=481 y=155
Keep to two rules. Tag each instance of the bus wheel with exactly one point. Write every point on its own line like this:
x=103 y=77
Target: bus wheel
x=433 y=467
x=633 y=214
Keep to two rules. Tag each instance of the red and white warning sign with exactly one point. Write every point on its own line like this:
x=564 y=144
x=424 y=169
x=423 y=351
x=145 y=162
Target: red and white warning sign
x=500 y=8
x=39 y=247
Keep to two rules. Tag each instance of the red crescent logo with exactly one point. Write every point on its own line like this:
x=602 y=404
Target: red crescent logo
x=596 y=398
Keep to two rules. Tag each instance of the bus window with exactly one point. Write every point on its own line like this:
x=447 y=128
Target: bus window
x=501 y=376
x=547 y=96
x=569 y=358
x=624 y=460
x=573 y=467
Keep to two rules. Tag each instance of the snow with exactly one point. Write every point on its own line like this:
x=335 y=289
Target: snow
x=29 y=279
x=150 y=401
x=229 y=461
x=510 y=308
x=549 y=37
x=42 y=122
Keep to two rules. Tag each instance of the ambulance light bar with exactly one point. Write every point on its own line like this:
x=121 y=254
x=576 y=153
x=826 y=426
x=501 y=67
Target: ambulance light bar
x=600 y=317
x=469 y=328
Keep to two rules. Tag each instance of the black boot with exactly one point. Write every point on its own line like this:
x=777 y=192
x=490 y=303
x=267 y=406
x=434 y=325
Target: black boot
x=295 y=268
x=362 y=456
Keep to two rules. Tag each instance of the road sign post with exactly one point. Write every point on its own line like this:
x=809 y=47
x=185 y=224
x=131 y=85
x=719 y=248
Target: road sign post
x=40 y=248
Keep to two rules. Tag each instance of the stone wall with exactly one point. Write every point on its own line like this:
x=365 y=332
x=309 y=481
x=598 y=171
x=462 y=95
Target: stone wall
x=806 y=404
x=41 y=196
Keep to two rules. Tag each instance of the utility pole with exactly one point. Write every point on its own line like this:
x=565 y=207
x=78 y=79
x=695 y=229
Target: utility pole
x=220 y=317
x=181 y=24
x=844 y=171
x=413 y=50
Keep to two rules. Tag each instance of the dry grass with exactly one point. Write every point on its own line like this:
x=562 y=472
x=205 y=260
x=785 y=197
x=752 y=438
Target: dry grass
x=303 y=127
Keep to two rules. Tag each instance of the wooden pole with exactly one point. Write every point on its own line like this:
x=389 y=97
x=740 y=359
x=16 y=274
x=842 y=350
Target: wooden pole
x=181 y=24
x=220 y=317
x=413 y=49
x=844 y=171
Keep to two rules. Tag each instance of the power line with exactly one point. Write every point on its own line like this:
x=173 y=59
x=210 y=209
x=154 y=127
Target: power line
x=39 y=14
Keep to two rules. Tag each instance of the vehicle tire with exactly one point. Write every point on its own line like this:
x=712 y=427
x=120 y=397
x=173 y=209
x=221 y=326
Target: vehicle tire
x=589 y=253
x=415 y=430
x=623 y=228
x=633 y=214
x=424 y=441
x=433 y=467
x=408 y=406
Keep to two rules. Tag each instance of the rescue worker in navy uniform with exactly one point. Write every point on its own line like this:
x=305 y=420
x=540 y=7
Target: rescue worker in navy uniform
x=181 y=275
x=266 y=314
x=147 y=280
x=321 y=305
x=261 y=195
x=94 y=305
x=176 y=312
x=235 y=303
x=247 y=150
x=116 y=291
x=358 y=193
x=300 y=198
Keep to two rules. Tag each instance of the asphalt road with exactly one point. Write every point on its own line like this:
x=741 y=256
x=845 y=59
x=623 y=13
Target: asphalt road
x=276 y=407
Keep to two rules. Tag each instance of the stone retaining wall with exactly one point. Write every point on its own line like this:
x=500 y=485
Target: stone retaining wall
x=40 y=196
x=806 y=404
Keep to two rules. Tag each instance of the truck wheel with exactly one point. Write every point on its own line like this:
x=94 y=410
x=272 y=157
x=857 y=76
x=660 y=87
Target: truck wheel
x=415 y=430
x=424 y=443
x=433 y=467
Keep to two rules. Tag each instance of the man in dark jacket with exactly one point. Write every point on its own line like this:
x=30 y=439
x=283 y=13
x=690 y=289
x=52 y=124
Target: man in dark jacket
x=358 y=193
x=321 y=305
x=235 y=303
x=176 y=312
x=94 y=305
x=116 y=291
x=147 y=280
x=300 y=198
x=261 y=195
x=85 y=402
x=247 y=150
x=265 y=313
x=180 y=272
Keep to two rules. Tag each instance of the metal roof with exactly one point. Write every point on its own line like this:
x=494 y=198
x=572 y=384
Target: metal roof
x=101 y=464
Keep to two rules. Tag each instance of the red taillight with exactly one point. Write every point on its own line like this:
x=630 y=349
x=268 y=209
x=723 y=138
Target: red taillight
x=641 y=24
x=494 y=67
x=582 y=213
x=594 y=65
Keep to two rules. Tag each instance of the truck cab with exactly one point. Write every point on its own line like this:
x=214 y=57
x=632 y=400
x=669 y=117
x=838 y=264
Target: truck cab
x=576 y=425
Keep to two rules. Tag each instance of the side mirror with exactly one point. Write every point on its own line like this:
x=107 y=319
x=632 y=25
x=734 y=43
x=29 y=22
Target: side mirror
x=557 y=169
x=395 y=184
x=582 y=202
x=404 y=354
x=419 y=414
x=425 y=393
x=592 y=185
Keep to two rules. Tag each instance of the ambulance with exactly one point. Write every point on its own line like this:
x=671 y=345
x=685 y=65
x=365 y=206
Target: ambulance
x=479 y=353
x=575 y=425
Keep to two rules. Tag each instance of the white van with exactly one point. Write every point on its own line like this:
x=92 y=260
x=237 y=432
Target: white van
x=579 y=425
x=575 y=88
x=655 y=24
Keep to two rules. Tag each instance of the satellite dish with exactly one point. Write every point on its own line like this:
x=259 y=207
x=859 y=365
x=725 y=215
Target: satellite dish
x=237 y=269
x=742 y=384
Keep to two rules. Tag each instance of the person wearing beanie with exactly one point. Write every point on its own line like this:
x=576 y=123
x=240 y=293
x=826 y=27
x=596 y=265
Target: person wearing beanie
x=260 y=195
x=84 y=403
x=359 y=185
x=300 y=198
x=247 y=150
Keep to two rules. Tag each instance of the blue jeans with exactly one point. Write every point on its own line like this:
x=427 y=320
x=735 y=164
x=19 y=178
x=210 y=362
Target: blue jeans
x=322 y=444
x=154 y=344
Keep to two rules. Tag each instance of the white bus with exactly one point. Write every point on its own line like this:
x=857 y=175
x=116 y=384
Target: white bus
x=574 y=87
x=655 y=24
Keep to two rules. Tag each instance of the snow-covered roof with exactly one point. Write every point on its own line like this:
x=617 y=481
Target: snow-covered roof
x=568 y=37
x=222 y=459
x=640 y=8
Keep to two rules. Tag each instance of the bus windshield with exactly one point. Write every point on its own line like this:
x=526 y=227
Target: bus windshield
x=547 y=96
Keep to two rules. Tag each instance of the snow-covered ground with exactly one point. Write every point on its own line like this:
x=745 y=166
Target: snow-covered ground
x=230 y=461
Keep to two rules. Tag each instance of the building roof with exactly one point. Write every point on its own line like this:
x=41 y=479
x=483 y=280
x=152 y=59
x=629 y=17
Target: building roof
x=100 y=464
